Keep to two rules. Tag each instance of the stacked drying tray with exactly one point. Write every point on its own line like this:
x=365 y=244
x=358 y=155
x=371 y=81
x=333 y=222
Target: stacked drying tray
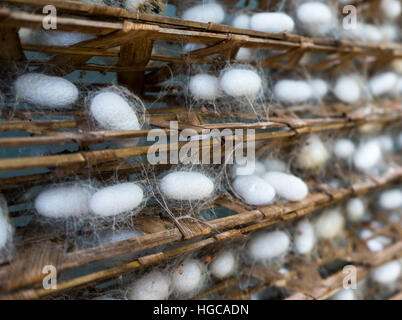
x=42 y=146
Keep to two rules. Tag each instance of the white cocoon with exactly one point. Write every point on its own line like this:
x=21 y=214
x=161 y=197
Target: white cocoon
x=113 y=112
x=287 y=186
x=204 y=86
x=45 y=91
x=313 y=153
x=268 y=245
x=347 y=89
x=315 y=17
x=241 y=21
x=188 y=277
x=272 y=164
x=319 y=88
x=383 y=83
x=355 y=209
x=272 y=22
x=368 y=155
x=186 y=185
x=304 y=237
x=62 y=39
x=329 y=224
x=223 y=265
x=64 y=201
x=292 y=91
x=244 y=54
x=388 y=273
x=208 y=12
x=391 y=8
x=254 y=190
x=390 y=199
x=378 y=243
x=241 y=82
x=153 y=286
x=344 y=149
x=113 y=200
x=365 y=234
x=344 y=294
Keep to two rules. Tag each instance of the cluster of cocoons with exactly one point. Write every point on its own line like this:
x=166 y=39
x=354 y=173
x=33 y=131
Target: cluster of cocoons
x=45 y=91
x=6 y=229
x=187 y=186
x=207 y=12
x=75 y=200
x=236 y=82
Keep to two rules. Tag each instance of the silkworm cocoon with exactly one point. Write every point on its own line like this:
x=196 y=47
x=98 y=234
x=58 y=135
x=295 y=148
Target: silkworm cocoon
x=388 y=273
x=208 y=12
x=313 y=153
x=344 y=149
x=378 y=243
x=64 y=201
x=287 y=186
x=292 y=91
x=117 y=199
x=254 y=190
x=330 y=224
x=355 y=209
x=153 y=286
x=62 y=39
x=345 y=294
x=241 y=21
x=241 y=82
x=112 y=112
x=45 y=91
x=347 y=89
x=390 y=199
x=365 y=234
x=315 y=17
x=6 y=229
x=319 y=88
x=204 y=86
x=272 y=164
x=304 y=237
x=269 y=245
x=383 y=83
x=188 y=277
x=223 y=265
x=391 y=8
x=244 y=54
x=186 y=185
x=272 y=22
x=368 y=155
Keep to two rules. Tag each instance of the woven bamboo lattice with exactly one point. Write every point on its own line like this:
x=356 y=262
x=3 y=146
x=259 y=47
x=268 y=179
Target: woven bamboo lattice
x=135 y=35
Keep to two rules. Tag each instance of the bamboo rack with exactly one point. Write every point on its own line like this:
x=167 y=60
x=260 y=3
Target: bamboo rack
x=130 y=39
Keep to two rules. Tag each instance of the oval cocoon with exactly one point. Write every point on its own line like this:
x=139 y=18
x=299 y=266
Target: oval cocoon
x=204 y=86
x=64 y=201
x=347 y=89
x=269 y=245
x=153 y=286
x=113 y=112
x=272 y=22
x=329 y=224
x=304 y=237
x=223 y=265
x=388 y=273
x=319 y=88
x=45 y=91
x=208 y=12
x=240 y=82
x=383 y=83
x=355 y=209
x=241 y=21
x=286 y=185
x=188 y=277
x=315 y=17
x=186 y=185
x=117 y=199
x=292 y=91
x=390 y=199
x=254 y=190
x=313 y=153
x=368 y=155
x=344 y=149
